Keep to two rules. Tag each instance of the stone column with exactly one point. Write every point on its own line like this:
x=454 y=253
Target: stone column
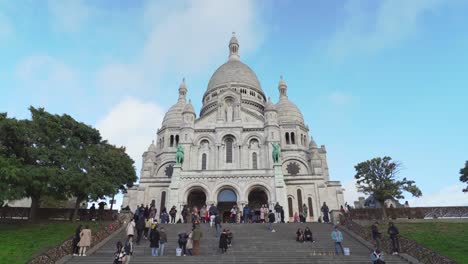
x=174 y=190
x=280 y=190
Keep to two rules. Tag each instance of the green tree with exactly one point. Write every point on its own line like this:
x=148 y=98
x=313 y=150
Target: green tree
x=31 y=153
x=379 y=177
x=464 y=176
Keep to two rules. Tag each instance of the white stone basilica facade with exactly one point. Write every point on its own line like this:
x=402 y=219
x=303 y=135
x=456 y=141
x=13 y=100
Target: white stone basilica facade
x=228 y=151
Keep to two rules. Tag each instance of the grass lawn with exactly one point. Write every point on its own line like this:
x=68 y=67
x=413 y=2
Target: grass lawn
x=20 y=241
x=449 y=239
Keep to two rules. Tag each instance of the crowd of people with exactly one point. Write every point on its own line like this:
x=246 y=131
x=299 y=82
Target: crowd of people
x=146 y=225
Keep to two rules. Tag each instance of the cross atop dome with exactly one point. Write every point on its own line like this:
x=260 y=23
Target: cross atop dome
x=233 y=48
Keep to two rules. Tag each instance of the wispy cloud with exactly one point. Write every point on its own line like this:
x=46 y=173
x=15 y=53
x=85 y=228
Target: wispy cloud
x=365 y=30
x=6 y=28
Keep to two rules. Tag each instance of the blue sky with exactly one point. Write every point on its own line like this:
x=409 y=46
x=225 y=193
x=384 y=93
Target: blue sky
x=372 y=78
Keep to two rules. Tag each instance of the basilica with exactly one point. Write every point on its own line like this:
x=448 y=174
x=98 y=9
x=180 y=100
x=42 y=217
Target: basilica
x=228 y=151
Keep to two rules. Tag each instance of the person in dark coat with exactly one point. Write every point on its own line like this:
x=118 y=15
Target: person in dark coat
x=140 y=227
x=183 y=242
x=76 y=240
x=271 y=220
x=92 y=212
x=282 y=214
x=173 y=213
x=393 y=233
x=325 y=211
x=154 y=241
x=376 y=235
x=184 y=214
x=308 y=235
x=223 y=243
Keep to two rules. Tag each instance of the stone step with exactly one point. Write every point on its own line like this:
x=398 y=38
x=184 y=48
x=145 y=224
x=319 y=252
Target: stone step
x=252 y=243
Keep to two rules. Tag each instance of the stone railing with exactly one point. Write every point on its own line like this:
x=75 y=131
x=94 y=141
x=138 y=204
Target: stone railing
x=410 y=213
x=51 y=255
x=408 y=246
x=55 y=213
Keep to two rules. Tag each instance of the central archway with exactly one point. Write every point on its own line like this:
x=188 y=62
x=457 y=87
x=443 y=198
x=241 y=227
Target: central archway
x=196 y=197
x=257 y=197
x=227 y=198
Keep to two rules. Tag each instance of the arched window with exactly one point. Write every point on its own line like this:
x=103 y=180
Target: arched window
x=287 y=138
x=203 y=161
x=299 y=199
x=311 y=212
x=290 y=206
x=171 y=141
x=162 y=141
x=293 y=138
x=254 y=160
x=177 y=140
x=163 y=201
x=229 y=142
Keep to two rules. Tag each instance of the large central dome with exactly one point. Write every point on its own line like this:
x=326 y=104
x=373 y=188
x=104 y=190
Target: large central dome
x=233 y=71
x=235 y=76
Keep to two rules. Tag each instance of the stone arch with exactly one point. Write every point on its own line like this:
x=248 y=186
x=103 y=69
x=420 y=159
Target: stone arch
x=226 y=185
x=195 y=186
x=261 y=186
x=163 y=167
x=298 y=159
x=250 y=136
x=202 y=137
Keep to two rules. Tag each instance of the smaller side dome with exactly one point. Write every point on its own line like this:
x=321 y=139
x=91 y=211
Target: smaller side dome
x=312 y=143
x=152 y=147
x=189 y=108
x=269 y=106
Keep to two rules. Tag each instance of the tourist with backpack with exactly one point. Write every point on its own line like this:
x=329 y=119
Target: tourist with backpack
x=377 y=257
x=119 y=256
x=128 y=248
x=173 y=213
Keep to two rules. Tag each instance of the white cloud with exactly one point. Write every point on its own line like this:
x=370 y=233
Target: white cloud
x=368 y=31
x=448 y=196
x=351 y=193
x=45 y=68
x=69 y=15
x=131 y=123
x=121 y=78
x=340 y=98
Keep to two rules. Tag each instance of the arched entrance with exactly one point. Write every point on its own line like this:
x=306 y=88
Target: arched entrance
x=227 y=198
x=196 y=197
x=257 y=198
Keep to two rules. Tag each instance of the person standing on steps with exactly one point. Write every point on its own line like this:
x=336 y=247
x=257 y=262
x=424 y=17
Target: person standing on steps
x=140 y=227
x=337 y=236
x=197 y=235
x=325 y=211
x=184 y=214
x=85 y=240
x=282 y=214
x=271 y=220
x=128 y=250
x=76 y=240
x=376 y=235
x=203 y=213
x=119 y=256
x=262 y=214
x=246 y=213
x=277 y=212
x=189 y=245
x=154 y=241
x=304 y=212
x=162 y=241
x=173 y=213
x=223 y=243
x=217 y=221
x=183 y=242
x=393 y=233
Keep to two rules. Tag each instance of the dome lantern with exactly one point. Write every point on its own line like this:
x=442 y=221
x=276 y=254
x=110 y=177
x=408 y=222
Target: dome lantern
x=182 y=90
x=234 y=48
x=282 y=87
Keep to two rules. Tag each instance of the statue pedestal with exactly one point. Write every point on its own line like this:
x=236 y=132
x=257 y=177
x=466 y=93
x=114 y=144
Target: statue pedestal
x=174 y=190
x=280 y=190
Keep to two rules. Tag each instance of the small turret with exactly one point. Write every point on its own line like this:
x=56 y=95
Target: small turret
x=234 y=48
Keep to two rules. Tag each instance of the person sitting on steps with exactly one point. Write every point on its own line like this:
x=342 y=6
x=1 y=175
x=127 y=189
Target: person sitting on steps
x=299 y=235
x=308 y=235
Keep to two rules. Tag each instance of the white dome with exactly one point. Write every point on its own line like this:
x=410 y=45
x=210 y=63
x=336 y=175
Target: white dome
x=234 y=72
x=288 y=112
x=189 y=108
x=173 y=117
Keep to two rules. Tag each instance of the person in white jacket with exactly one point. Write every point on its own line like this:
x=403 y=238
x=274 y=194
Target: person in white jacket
x=131 y=229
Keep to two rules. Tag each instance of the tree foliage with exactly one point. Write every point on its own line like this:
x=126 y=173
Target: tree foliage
x=464 y=176
x=379 y=177
x=56 y=156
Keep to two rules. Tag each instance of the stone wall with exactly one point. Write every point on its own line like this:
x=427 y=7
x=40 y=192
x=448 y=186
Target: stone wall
x=51 y=255
x=54 y=213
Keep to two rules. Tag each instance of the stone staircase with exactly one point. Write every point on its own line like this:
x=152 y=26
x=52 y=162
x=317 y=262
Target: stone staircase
x=252 y=243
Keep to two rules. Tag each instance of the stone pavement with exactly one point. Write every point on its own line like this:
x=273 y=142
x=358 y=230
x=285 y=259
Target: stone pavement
x=252 y=243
